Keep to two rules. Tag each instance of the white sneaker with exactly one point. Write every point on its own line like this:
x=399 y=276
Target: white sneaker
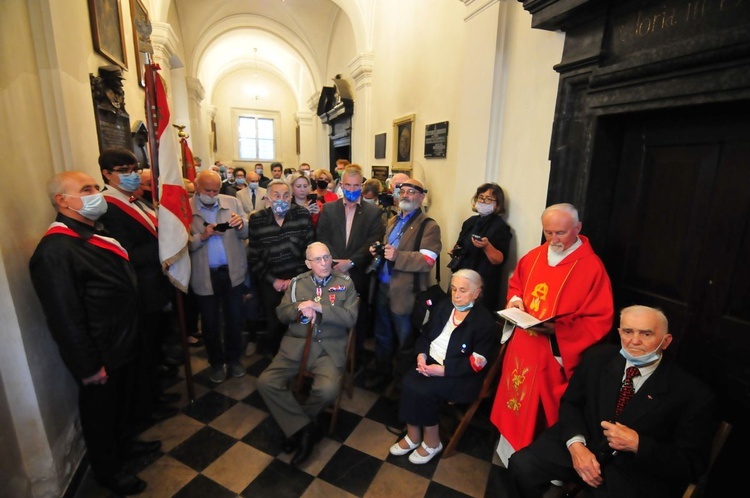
x=397 y=450
x=415 y=457
x=251 y=349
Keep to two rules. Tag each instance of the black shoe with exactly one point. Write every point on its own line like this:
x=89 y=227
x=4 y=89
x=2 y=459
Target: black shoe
x=168 y=398
x=174 y=361
x=124 y=483
x=167 y=371
x=305 y=446
x=162 y=414
x=377 y=380
x=137 y=448
x=290 y=443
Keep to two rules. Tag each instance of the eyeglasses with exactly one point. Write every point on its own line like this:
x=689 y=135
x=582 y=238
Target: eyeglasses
x=485 y=200
x=124 y=169
x=320 y=259
x=409 y=191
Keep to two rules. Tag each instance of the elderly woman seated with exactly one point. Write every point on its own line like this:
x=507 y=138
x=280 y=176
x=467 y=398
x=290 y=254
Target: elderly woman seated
x=452 y=352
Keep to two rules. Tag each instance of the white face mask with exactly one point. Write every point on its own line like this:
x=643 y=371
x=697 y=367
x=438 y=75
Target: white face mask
x=207 y=200
x=485 y=209
x=368 y=201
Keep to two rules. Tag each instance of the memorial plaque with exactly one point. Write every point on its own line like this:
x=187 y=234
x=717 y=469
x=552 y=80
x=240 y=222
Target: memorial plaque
x=436 y=140
x=112 y=120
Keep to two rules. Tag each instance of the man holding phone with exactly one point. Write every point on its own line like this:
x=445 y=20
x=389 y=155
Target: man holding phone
x=219 y=267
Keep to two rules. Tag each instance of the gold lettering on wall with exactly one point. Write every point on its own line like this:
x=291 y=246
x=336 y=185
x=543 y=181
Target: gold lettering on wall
x=664 y=17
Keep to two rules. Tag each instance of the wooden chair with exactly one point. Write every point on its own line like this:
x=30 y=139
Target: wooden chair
x=304 y=376
x=697 y=489
x=488 y=389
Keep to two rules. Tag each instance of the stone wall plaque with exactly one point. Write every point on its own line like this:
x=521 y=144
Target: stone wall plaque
x=112 y=120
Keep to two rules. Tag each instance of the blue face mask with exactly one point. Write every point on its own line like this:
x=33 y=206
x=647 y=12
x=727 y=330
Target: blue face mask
x=240 y=181
x=94 y=206
x=280 y=207
x=129 y=182
x=464 y=307
x=352 y=195
x=222 y=169
x=643 y=360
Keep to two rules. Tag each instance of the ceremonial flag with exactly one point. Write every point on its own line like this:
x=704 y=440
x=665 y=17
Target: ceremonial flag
x=174 y=206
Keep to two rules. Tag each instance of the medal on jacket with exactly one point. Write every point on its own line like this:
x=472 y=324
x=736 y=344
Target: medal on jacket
x=332 y=298
x=318 y=293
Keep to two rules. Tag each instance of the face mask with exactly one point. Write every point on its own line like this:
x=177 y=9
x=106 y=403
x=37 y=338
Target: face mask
x=222 y=169
x=322 y=184
x=280 y=207
x=129 y=182
x=253 y=185
x=368 y=201
x=259 y=171
x=207 y=200
x=485 y=209
x=148 y=195
x=306 y=172
x=94 y=206
x=240 y=181
x=643 y=360
x=396 y=195
x=406 y=206
x=352 y=195
x=464 y=307
x=230 y=176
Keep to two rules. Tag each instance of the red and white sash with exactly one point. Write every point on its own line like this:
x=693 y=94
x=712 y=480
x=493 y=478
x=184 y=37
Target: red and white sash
x=148 y=221
x=106 y=243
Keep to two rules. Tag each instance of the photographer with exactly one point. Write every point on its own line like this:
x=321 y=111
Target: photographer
x=483 y=242
x=405 y=273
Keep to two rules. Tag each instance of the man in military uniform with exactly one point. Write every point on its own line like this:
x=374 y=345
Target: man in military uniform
x=326 y=303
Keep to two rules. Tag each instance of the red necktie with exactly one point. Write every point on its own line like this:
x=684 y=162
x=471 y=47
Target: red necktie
x=627 y=390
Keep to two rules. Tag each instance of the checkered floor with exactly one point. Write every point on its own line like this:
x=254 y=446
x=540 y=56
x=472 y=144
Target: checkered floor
x=225 y=444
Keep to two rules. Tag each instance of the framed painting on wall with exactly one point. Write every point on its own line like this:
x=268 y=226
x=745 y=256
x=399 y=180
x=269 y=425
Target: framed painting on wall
x=403 y=143
x=106 y=30
x=380 y=146
x=139 y=16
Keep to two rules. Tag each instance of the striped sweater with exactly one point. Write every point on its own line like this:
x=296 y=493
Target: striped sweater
x=278 y=251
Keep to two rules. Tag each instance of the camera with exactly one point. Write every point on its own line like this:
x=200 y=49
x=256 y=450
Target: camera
x=457 y=255
x=385 y=199
x=377 y=261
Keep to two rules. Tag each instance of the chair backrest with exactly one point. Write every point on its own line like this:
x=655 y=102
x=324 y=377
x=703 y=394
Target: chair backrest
x=493 y=374
x=696 y=489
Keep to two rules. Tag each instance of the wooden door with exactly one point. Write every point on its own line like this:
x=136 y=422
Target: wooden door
x=679 y=239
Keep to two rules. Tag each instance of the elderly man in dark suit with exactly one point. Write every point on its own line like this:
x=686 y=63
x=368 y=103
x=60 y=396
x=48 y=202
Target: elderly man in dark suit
x=406 y=272
x=349 y=227
x=632 y=422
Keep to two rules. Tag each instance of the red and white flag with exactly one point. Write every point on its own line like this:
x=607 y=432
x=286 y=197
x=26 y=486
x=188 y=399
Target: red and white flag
x=174 y=204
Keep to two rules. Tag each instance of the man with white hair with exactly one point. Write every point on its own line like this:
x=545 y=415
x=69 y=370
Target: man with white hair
x=565 y=285
x=407 y=262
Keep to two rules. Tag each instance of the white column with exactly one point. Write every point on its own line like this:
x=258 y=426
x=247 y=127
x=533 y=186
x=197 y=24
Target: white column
x=363 y=141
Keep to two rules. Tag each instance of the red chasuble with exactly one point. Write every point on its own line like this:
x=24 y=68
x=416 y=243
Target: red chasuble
x=578 y=294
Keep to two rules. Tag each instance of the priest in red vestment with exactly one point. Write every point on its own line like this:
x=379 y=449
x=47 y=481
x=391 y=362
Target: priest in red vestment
x=564 y=282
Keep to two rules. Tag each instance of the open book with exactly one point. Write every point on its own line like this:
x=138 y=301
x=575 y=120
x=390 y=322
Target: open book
x=521 y=318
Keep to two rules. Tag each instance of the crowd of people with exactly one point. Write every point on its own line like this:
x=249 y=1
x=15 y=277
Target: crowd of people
x=299 y=259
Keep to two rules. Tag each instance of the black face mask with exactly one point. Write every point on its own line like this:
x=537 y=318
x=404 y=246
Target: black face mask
x=322 y=184
x=148 y=195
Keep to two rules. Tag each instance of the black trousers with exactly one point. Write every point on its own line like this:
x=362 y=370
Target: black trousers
x=106 y=413
x=270 y=298
x=229 y=300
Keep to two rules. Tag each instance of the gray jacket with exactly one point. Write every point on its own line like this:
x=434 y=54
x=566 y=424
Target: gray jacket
x=200 y=277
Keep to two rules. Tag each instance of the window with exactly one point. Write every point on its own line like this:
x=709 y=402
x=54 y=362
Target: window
x=256 y=138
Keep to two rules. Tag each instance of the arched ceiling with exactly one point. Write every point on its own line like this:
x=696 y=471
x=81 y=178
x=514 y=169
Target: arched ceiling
x=292 y=38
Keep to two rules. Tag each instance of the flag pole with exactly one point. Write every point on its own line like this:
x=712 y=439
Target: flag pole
x=152 y=118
